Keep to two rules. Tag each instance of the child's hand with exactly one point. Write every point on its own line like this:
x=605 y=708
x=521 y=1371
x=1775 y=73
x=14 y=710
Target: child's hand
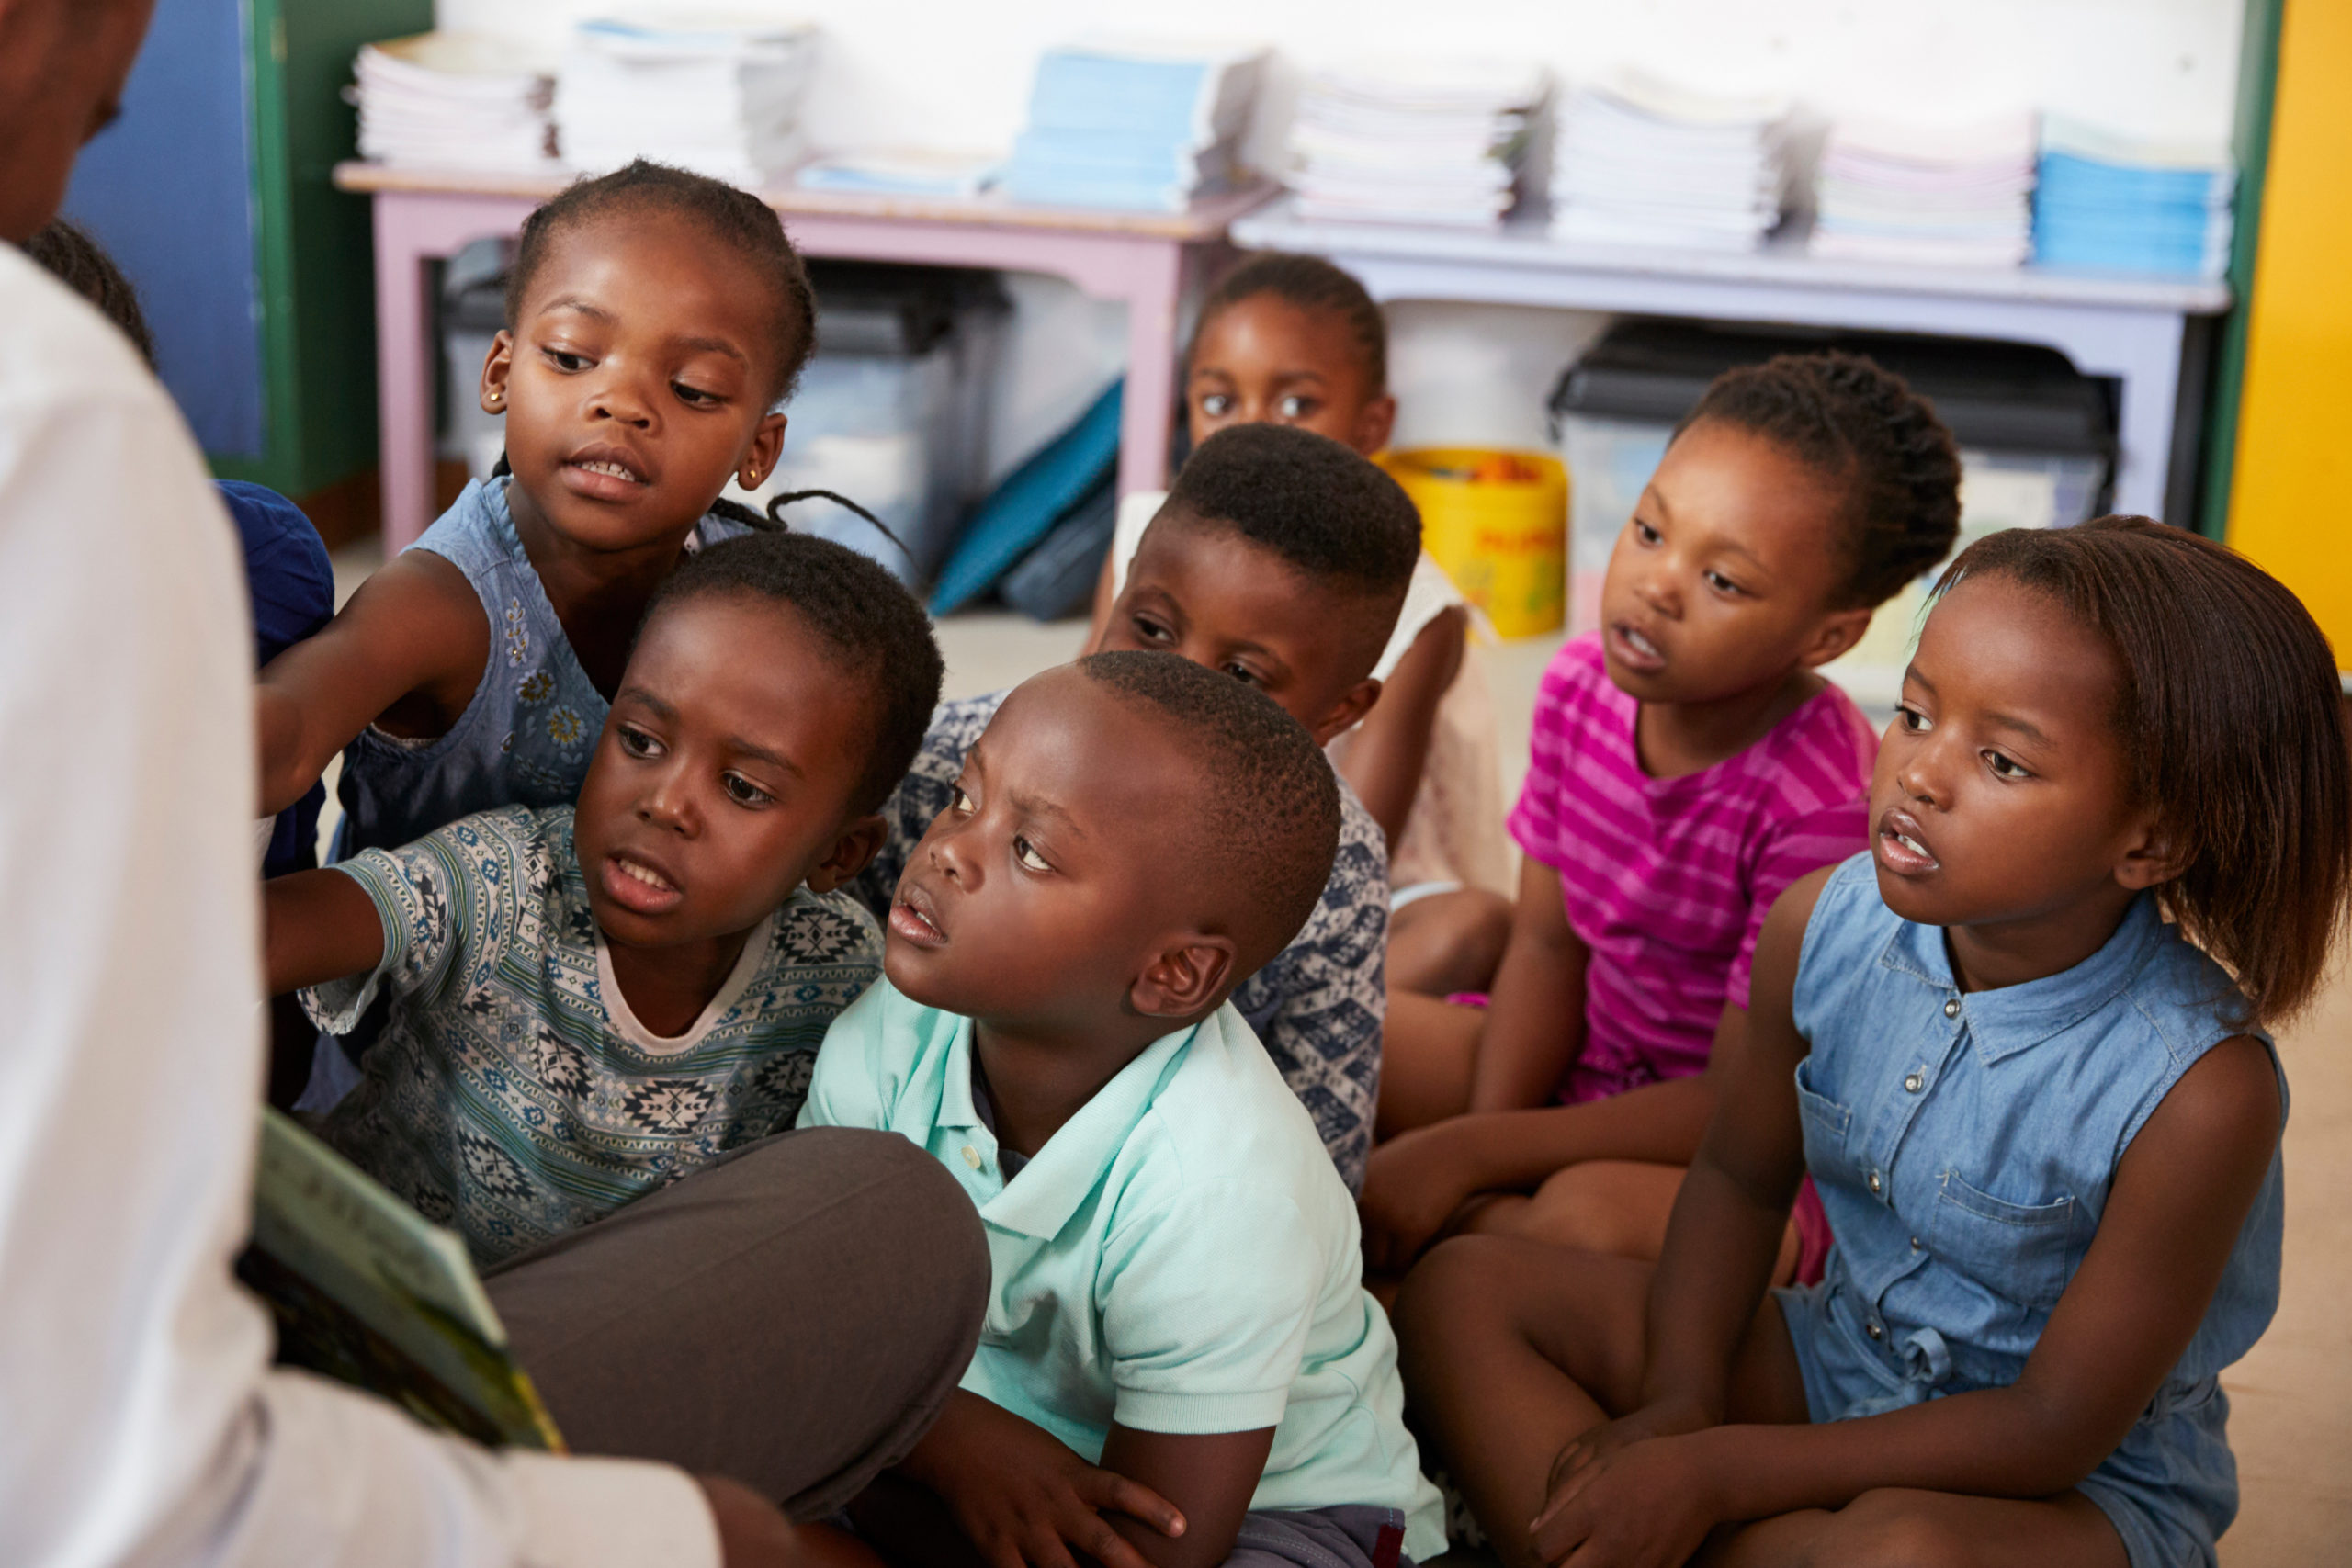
x=1412 y=1185
x=1668 y=1418
x=1641 y=1503
x=1023 y=1498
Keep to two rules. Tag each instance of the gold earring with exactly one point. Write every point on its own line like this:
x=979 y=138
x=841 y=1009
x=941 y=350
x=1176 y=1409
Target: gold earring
x=494 y=396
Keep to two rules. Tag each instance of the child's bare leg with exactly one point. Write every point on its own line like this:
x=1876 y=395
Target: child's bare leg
x=1619 y=1207
x=1511 y=1348
x=1902 y=1529
x=1448 y=942
x=1427 y=1049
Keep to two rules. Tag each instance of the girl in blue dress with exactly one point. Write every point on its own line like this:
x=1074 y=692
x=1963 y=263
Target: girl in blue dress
x=2021 y=1047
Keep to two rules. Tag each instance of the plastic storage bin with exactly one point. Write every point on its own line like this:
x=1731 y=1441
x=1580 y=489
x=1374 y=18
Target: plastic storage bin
x=1497 y=522
x=2037 y=445
x=891 y=409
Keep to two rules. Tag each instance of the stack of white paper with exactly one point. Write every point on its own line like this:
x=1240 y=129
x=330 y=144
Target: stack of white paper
x=1416 y=142
x=1636 y=162
x=722 y=98
x=902 y=171
x=1137 y=125
x=1949 y=196
x=452 y=100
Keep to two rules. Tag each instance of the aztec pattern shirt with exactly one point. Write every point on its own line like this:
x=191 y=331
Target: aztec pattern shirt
x=1318 y=1005
x=512 y=1094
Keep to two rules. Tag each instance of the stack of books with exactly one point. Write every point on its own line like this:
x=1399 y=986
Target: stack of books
x=902 y=171
x=453 y=100
x=723 y=100
x=1952 y=196
x=2117 y=204
x=1137 y=126
x=1636 y=162
x=1431 y=143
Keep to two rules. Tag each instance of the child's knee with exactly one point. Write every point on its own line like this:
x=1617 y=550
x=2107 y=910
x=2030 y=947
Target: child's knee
x=1890 y=1529
x=1586 y=1206
x=1458 y=1280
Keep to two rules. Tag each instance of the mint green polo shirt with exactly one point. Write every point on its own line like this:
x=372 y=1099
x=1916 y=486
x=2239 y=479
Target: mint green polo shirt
x=1180 y=1256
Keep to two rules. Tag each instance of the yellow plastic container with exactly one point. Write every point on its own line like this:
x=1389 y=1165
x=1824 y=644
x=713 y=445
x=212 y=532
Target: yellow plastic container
x=1497 y=522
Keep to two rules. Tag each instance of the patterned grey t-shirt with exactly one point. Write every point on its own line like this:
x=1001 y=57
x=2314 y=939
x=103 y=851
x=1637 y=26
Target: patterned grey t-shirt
x=1317 y=1006
x=512 y=1094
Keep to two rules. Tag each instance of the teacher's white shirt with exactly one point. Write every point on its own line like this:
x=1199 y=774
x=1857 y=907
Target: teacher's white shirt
x=139 y=1419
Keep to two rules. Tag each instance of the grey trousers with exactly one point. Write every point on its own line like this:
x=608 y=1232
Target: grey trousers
x=793 y=1316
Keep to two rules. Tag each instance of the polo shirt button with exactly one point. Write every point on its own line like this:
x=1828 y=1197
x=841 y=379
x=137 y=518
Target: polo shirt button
x=971 y=1156
x=1951 y=1008
x=1876 y=1185
x=1874 y=1331
x=1915 y=1083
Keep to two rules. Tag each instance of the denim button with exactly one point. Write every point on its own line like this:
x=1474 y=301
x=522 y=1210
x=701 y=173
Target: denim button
x=1915 y=1083
x=1951 y=1008
x=1915 y=1244
x=1874 y=1331
x=1875 y=1183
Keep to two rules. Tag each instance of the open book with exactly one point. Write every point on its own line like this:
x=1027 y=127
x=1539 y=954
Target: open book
x=367 y=1290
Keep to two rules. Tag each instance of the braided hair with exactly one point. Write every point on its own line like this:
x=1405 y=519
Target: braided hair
x=82 y=265
x=736 y=217
x=1863 y=428
x=1310 y=283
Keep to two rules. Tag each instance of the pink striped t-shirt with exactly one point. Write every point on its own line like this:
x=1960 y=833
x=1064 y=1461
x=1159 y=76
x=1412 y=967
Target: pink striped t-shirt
x=1667 y=881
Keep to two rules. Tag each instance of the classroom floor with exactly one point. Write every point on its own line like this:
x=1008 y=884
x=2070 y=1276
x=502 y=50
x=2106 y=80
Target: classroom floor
x=2291 y=1398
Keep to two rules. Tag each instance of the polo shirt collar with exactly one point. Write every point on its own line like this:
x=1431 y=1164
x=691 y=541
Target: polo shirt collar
x=1040 y=1201
x=2010 y=1019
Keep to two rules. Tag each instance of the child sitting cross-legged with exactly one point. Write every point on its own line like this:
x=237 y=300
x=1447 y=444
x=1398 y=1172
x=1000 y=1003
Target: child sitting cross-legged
x=588 y=1003
x=1180 y=1365
x=1279 y=559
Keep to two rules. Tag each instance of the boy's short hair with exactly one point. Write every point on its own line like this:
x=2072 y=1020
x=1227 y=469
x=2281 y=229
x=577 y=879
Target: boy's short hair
x=853 y=605
x=1325 y=509
x=1269 y=808
x=82 y=265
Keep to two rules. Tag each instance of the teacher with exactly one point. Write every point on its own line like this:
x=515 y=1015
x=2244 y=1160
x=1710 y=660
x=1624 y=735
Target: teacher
x=794 y=1317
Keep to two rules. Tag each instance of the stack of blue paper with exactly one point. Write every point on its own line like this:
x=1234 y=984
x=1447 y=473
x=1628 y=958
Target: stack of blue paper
x=2115 y=205
x=1134 y=127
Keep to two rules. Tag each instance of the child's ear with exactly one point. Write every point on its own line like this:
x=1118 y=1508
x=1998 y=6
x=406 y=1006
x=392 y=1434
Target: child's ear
x=2151 y=857
x=1348 y=711
x=859 y=843
x=1374 y=424
x=1838 y=633
x=759 y=458
x=1182 y=980
x=494 y=367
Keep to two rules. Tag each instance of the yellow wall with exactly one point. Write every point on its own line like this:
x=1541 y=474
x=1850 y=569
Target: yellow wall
x=2291 y=503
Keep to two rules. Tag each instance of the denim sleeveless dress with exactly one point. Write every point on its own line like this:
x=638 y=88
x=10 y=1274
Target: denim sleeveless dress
x=1965 y=1144
x=525 y=738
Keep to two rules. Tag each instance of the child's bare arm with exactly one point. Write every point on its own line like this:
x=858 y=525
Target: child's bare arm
x=1392 y=745
x=317 y=926
x=1535 y=1021
x=1209 y=1478
x=410 y=645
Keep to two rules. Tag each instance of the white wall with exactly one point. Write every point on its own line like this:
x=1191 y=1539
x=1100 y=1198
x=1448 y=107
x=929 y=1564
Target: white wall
x=956 y=73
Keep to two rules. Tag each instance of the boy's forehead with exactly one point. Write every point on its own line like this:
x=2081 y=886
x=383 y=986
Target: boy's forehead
x=1065 y=741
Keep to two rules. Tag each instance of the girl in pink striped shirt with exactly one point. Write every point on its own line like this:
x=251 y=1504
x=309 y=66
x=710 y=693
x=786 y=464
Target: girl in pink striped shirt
x=1687 y=766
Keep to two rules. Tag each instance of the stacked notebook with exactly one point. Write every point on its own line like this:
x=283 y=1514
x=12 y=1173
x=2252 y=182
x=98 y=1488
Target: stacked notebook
x=1405 y=142
x=1952 y=196
x=2117 y=204
x=1137 y=126
x=1637 y=162
x=453 y=100
x=722 y=99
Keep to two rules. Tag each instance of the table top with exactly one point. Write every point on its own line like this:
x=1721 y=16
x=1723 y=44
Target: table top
x=1527 y=244
x=1207 y=219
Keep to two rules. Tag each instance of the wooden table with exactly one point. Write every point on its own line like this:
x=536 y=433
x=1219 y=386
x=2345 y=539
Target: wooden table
x=1145 y=260
x=2137 y=331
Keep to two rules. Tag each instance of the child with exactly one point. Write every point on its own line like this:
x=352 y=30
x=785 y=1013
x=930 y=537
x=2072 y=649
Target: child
x=587 y=1005
x=1280 y=558
x=1687 y=765
x=1176 y=1293
x=2046 y=1125
x=655 y=319
x=1293 y=340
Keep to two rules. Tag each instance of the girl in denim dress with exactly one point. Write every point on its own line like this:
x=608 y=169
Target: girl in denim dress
x=2021 y=1048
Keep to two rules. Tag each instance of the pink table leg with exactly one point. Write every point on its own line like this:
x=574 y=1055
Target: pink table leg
x=1154 y=295
x=403 y=377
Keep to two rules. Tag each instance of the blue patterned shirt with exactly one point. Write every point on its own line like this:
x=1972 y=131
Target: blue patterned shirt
x=1318 y=1005
x=512 y=1094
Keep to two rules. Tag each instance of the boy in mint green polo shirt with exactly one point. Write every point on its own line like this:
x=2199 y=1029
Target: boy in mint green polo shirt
x=1180 y=1366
